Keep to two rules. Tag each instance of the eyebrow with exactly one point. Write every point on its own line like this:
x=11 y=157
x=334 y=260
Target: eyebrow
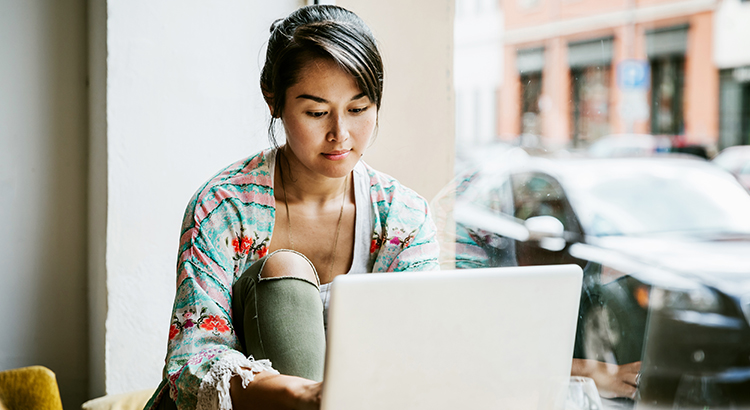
x=323 y=100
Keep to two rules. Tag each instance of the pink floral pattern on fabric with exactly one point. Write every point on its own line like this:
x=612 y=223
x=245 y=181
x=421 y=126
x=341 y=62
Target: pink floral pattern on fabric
x=243 y=245
x=215 y=323
x=396 y=237
x=204 y=355
x=205 y=321
x=227 y=226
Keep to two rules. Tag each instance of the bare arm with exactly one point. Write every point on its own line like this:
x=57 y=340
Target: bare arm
x=611 y=380
x=275 y=392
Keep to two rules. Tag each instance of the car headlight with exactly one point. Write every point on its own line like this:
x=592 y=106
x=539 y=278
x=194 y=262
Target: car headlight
x=700 y=299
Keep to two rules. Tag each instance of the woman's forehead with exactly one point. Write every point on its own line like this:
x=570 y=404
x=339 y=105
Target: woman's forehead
x=324 y=78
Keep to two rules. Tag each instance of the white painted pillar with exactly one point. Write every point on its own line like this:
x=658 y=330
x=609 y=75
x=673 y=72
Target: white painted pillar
x=176 y=100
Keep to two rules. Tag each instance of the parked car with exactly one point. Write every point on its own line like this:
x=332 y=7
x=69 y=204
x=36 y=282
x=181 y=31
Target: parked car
x=640 y=145
x=736 y=160
x=661 y=240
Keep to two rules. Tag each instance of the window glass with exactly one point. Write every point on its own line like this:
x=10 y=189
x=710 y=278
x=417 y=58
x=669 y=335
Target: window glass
x=531 y=86
x=653 y=199
x=536 y=194
x=666 y=101
x=619 y=140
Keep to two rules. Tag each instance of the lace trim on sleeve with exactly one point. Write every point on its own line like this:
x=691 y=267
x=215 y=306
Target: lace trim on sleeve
x=214 y=389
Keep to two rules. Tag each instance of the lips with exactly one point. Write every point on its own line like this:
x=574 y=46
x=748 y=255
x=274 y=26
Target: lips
x=337 y=155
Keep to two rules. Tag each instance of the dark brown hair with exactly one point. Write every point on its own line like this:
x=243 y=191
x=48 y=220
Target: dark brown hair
x=319 y=31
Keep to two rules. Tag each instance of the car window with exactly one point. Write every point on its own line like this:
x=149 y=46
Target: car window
x=537 y=194
x=654 y=197
x=497 y=197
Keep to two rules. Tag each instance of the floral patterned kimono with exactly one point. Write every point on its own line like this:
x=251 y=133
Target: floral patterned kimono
x=227 y=226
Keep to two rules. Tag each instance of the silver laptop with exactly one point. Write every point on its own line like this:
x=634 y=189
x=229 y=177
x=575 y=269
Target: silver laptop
x=498 y=338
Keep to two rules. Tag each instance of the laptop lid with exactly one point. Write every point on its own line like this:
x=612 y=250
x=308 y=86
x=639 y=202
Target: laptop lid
x=479 y=338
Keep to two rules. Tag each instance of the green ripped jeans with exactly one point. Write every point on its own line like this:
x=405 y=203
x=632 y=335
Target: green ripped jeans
x=280 y=319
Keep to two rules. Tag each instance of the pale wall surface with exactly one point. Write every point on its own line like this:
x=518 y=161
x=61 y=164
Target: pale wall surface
x=43 y=149
x=183 y=101
x=732 y=34
x=477 y=72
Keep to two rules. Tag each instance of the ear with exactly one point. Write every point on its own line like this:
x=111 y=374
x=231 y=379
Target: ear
x=269 y=102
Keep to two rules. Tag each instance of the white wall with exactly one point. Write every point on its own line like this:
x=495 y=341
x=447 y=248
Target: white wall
x=43 y=163
x=478 y=67
x=732 y=34
x=182 y=102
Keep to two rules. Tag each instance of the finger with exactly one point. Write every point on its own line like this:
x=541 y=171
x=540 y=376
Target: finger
x=625 y=390
x=630 y=379
x=629 y=372
x=634 y=367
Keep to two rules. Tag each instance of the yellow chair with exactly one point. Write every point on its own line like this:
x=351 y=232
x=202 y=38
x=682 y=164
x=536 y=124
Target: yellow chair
x=30 y=388
x=126 y=401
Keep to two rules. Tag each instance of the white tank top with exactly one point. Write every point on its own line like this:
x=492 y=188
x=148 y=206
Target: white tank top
x=362 y=231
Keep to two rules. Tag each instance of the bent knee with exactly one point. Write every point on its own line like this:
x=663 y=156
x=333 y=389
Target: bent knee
x=289 y=264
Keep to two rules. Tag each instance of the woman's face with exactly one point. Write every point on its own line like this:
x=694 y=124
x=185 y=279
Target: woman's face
x=328 y=119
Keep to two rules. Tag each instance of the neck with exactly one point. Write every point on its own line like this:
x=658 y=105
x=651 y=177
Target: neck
x=302 y=185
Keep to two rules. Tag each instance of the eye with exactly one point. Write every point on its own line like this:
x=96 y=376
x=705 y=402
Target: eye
x=358 y=110
x=316 y=114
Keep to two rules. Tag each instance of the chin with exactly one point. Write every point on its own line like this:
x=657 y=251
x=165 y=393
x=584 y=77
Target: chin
x=338 y=170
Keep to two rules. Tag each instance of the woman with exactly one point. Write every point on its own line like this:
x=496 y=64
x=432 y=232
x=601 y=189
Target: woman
x=263 y=239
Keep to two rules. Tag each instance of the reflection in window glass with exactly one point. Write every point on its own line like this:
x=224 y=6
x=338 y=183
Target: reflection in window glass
x=590 y=103
x=538 y=195
x=666 y=100
x=656 y=199
x=664 y=242
x=590 y=71
x=531 y=86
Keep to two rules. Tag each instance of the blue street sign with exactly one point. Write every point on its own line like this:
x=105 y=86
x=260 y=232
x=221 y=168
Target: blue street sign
x=633 y=75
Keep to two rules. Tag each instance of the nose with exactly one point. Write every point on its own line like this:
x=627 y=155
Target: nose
x=338 y=129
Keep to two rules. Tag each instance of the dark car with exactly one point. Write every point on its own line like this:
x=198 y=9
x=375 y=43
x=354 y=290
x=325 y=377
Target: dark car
x=664 y=243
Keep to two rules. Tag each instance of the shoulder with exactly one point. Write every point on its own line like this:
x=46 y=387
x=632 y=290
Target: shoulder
x=404 y=237
x=253 y=170
x=245 y=182
x=386 y=190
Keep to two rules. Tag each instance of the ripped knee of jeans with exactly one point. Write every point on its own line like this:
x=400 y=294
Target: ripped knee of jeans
x=286 y=264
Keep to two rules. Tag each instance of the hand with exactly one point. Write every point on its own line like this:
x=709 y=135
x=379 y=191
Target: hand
x=611 y=380
x=276 y=392
x=307 y=394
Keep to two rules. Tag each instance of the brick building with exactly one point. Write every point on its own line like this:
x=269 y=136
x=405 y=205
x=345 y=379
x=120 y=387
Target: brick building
x=571 y=70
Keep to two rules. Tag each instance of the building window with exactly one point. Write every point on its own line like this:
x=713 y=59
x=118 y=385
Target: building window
x=667 y=84
x=590 y=109
x=590 y=71
x=666 y=48
x=530 y=63
x=734 y=111
x=531 y=90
